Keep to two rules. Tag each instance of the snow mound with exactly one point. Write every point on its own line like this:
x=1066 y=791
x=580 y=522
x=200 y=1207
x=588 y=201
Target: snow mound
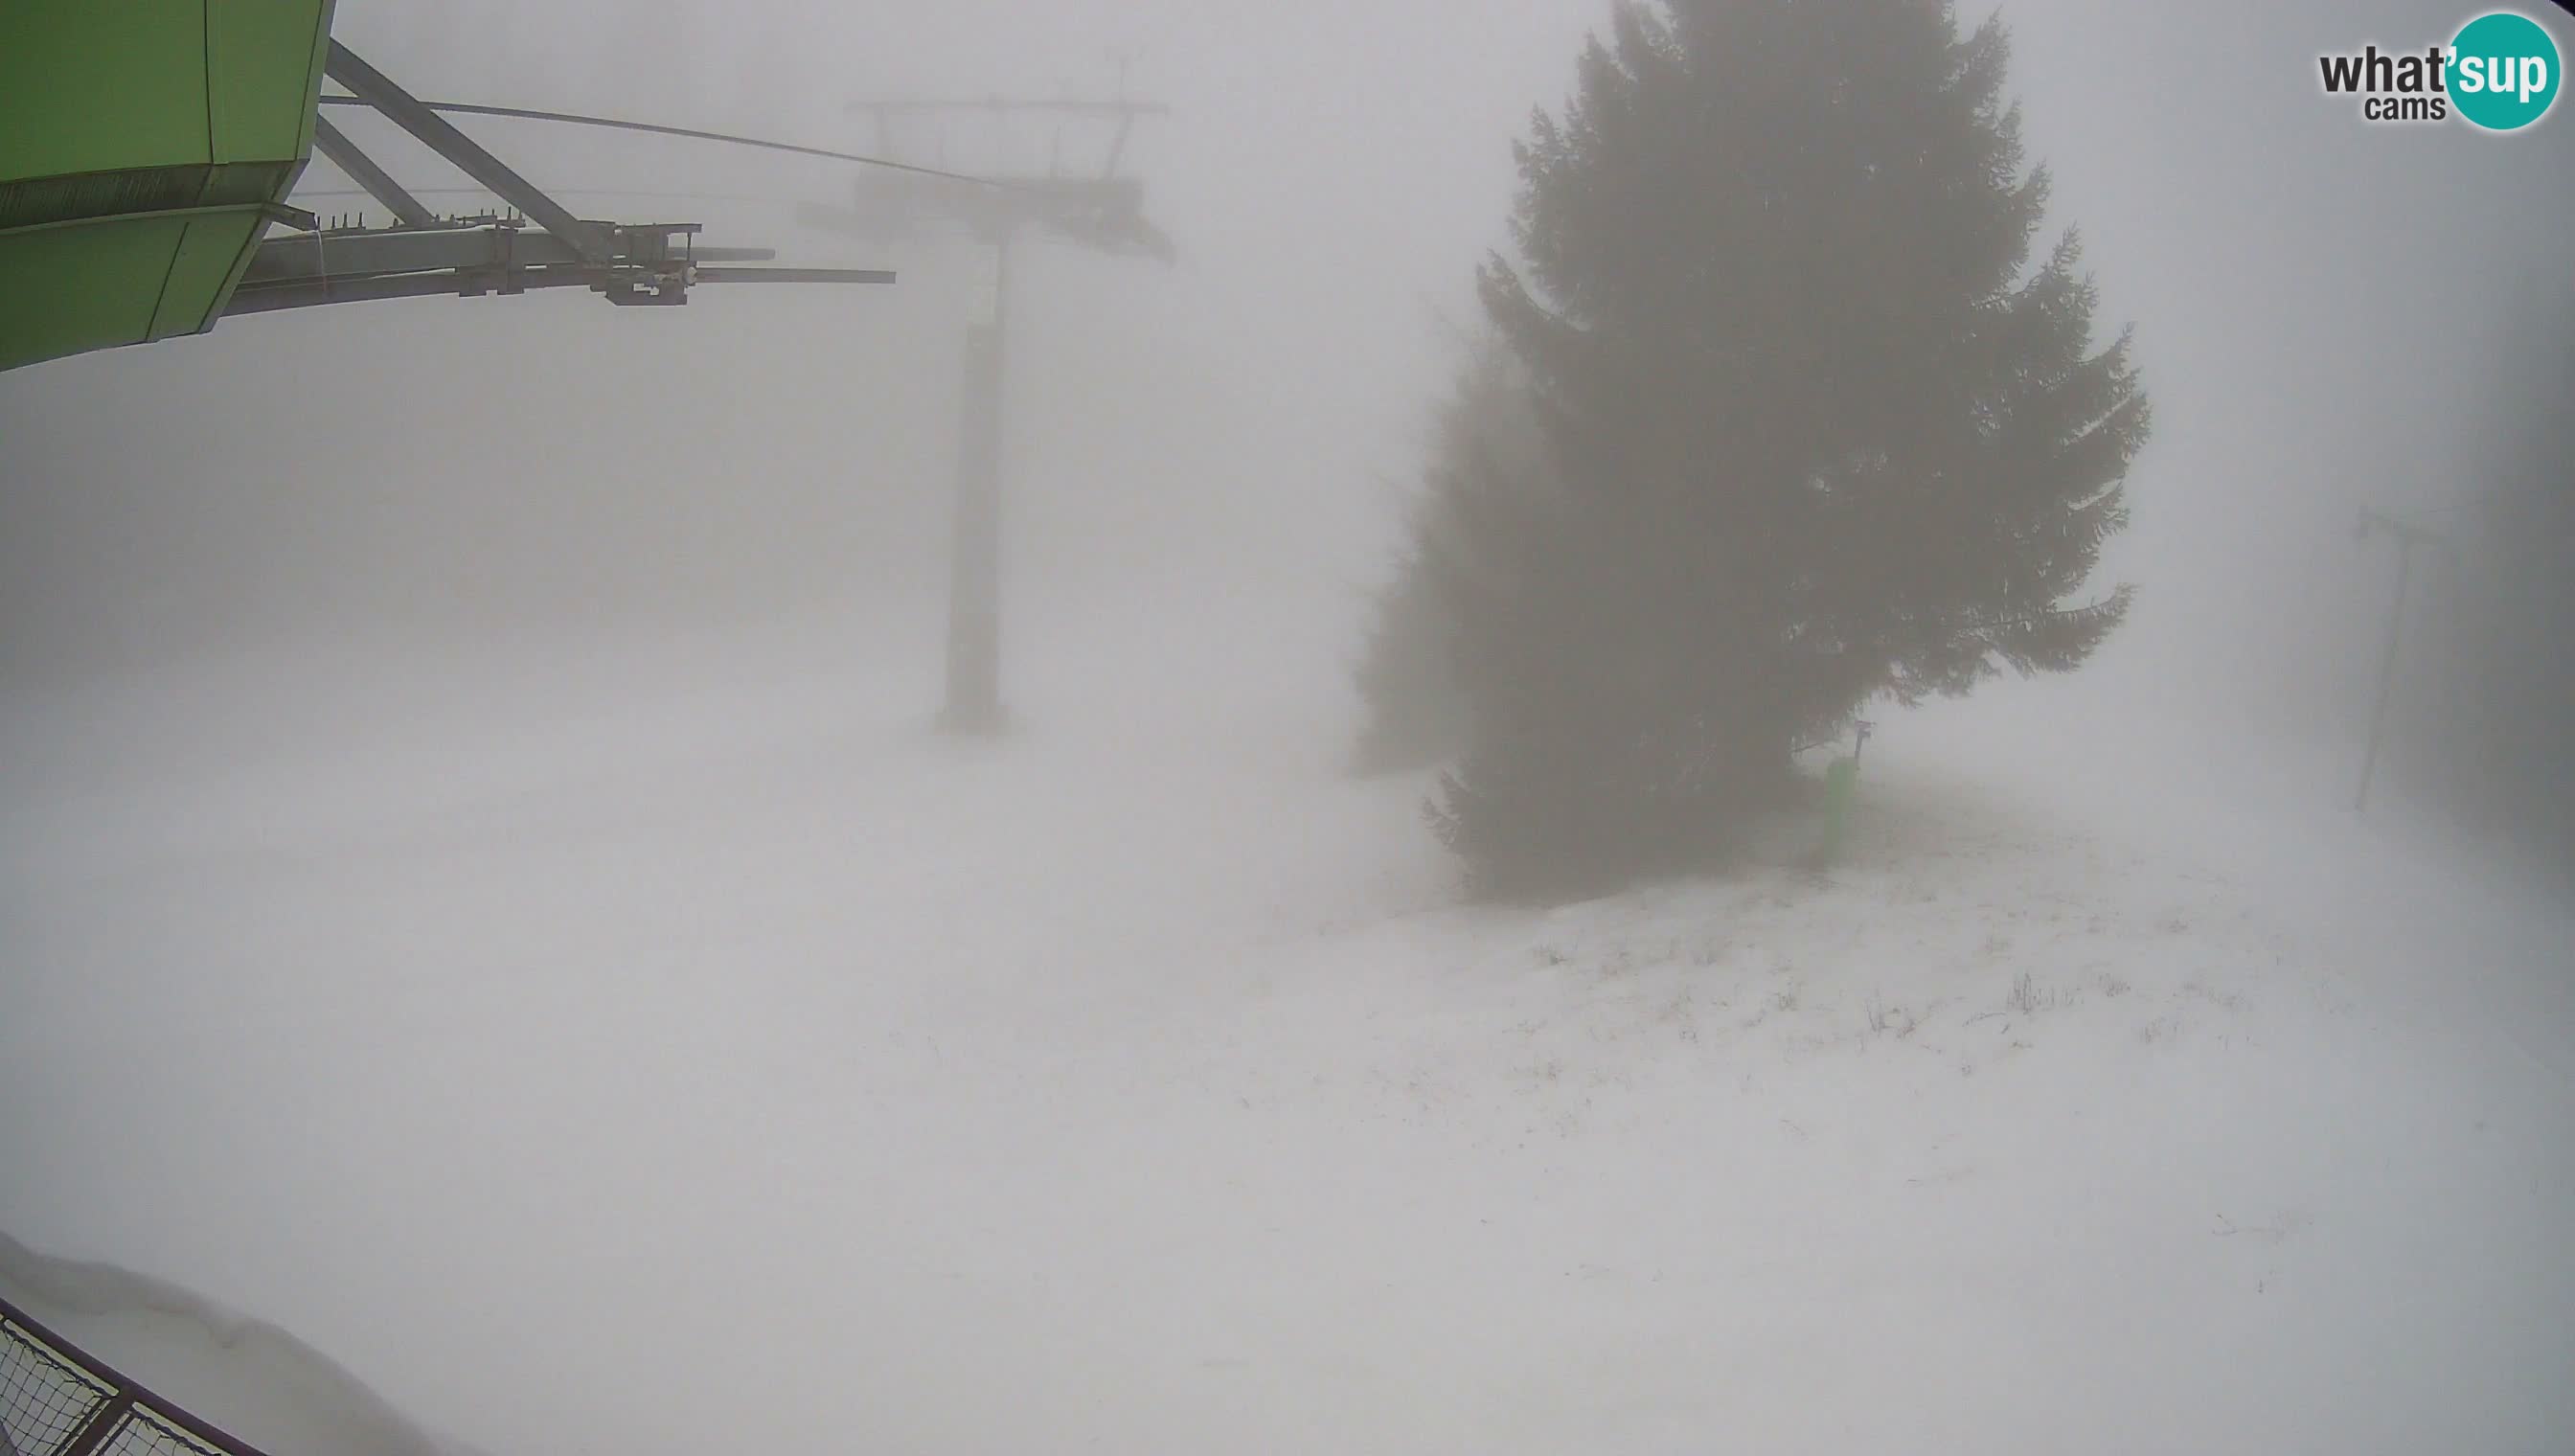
x=245 y=1376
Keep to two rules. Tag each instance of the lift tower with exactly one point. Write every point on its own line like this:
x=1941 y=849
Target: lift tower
x=1103 y=212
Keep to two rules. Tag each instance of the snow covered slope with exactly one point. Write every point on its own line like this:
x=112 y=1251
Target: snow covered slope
x=682 y=1055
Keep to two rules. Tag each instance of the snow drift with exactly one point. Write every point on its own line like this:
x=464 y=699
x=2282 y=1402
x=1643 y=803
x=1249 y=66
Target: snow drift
x=246 y=1376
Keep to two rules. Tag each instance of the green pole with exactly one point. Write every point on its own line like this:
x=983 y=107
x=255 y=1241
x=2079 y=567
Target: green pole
x=1841 y=778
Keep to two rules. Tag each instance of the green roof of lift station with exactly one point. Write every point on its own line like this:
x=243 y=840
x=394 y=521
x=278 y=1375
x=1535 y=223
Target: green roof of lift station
x=145 y=146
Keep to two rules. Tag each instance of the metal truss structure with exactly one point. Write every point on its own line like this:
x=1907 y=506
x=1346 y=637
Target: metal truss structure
x=538 y=244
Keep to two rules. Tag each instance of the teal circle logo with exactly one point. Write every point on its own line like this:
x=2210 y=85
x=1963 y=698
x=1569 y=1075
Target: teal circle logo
x=2503 y=71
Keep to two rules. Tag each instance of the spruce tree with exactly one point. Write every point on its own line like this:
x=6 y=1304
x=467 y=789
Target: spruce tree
x=1483 y=439
x=1819 y=427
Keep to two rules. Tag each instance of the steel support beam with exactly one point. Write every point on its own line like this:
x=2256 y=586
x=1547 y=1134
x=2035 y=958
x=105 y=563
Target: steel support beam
x=305 y=293
x=379 y=91
x=343 y=153
x=795 y=275
x=356 y=253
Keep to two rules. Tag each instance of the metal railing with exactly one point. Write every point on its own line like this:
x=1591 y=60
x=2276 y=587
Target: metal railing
x=58 y=1400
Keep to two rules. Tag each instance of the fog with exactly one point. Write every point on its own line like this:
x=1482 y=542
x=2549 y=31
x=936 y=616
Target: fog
x=481 y=888
x=2318 y=305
